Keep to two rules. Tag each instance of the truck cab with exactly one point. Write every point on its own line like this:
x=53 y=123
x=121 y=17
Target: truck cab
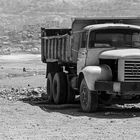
x=99 y=38
x=110 y=61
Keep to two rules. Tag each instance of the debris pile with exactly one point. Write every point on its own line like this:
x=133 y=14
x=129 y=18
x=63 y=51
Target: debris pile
x=15 y=94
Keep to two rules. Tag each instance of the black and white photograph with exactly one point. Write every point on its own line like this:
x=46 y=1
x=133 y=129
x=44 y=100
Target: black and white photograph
x=69 y=69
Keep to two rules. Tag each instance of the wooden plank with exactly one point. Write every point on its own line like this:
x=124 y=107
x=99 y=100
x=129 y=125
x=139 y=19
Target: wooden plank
x=51 y=37
x=48 y=51
x=52 y=49
x=56 y=48
x=62 y=50
x=68 y=44
x=59 y=44
x=65 y=48
x=46 y=48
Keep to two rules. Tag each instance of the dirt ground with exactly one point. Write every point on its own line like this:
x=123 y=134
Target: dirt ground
x=12 y=74
x=30 y=120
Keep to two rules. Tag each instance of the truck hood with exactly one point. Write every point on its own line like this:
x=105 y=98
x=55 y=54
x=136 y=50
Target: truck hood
x=120 y=53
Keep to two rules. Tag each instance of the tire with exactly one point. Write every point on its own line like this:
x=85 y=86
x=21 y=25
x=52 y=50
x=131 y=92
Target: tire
x=88 y=99
x=49 y=88
x=59 y=88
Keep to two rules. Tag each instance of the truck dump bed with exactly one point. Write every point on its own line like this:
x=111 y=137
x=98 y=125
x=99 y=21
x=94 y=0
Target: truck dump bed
x=55 y=45
x=62 y=45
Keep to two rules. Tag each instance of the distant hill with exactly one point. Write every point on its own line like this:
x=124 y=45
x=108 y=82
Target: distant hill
x=20 y=20
x=16 y=13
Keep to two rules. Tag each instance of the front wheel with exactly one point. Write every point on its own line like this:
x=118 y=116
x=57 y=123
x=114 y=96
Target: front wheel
x=88 y=99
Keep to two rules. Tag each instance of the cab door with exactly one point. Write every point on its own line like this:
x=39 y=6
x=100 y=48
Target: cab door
x=82 y=53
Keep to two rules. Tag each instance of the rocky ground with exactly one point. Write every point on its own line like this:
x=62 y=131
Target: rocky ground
x=26 y=115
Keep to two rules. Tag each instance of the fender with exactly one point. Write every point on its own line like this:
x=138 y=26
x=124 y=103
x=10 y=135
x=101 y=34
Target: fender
x=95 y=73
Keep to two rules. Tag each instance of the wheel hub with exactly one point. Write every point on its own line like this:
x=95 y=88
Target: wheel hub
x=84 y=96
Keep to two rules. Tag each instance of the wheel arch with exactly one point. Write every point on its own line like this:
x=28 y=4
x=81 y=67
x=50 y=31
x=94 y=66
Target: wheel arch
x=94 y=73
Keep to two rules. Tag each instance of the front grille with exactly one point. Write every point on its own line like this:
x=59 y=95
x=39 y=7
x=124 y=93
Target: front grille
x=132 y=70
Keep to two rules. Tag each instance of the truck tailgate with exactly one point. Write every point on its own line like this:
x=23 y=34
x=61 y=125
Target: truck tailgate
x=55 y=47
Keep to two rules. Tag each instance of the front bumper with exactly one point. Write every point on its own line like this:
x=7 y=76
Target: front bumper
x=117 y=86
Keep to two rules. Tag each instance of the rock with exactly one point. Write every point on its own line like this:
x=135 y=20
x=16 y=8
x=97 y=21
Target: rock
x=90 y=118
x=107 y=113
x=10 y=98
x=12 y=89
x=24 y=69
x=15 y=94
x=134 y=115
x=17 y=90
x=35 y=92
x=44 y=96
x=112 y=121
x=29 y=94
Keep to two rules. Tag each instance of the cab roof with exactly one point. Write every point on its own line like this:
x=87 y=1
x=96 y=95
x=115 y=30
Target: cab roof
x=111 y=26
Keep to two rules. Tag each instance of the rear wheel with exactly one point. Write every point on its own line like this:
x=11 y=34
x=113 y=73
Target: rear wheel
x=59 y=88
x=88 y=99
x=49 y=87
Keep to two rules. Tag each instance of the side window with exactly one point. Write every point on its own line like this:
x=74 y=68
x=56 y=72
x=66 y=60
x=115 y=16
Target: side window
x=91 y=39
x=100 y=39
x=83 y=39
x=104 y=40
x=136 y=39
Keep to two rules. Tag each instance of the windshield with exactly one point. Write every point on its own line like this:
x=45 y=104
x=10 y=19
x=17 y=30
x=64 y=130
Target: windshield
x=114 y=38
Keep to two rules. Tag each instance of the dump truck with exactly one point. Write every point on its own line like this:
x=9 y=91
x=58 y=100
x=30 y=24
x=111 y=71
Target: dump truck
x=97 y=59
